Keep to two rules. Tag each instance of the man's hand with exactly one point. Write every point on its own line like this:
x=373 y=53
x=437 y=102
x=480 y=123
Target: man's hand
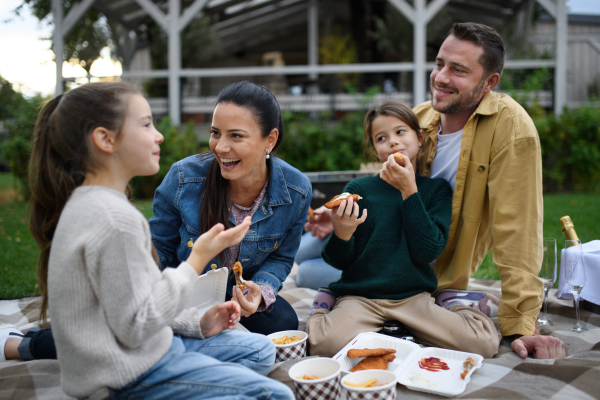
x=219 y=317
x=250 y=302
x=319 y=226
x=539 y=347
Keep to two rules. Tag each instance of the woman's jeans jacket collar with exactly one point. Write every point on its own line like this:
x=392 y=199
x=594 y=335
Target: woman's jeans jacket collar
x=268 y=249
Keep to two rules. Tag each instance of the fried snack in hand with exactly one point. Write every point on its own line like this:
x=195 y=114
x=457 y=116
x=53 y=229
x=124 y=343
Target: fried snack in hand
x=374 y=362
x=357 y=353
x=337 y=200
x=399 y=159
x=311 y=213
x=237 y=270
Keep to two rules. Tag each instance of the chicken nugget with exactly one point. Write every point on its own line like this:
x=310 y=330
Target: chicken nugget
x=357 y=353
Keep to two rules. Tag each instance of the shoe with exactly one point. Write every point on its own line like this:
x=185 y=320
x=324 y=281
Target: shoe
x=7 y=331
x=324 y=300
x=485 y=302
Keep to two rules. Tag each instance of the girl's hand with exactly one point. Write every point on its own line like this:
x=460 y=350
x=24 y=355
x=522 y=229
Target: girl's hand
x=319 y=226
x=345 y=219
x=402 y=178
x=250 y=302
x=211 y=243
x=219 y=318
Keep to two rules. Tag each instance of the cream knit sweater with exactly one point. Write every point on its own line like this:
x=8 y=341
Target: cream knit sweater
x=112 y=309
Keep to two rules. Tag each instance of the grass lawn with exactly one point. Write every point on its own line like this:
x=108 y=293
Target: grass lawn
x=18 y=250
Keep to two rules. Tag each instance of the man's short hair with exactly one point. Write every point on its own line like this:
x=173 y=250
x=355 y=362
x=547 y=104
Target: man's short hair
x=492 y=58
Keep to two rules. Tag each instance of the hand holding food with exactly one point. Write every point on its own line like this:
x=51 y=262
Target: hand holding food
x=238 y=270
x=250 y=301
x=345 y=218
x=400 y=177
x=399 y=159
x=319 y=223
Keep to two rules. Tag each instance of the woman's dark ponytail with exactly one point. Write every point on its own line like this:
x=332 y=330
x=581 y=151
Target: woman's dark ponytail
x=215 y=203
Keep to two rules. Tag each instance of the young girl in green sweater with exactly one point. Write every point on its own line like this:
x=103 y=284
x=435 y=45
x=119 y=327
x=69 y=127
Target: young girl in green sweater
x=384 y=258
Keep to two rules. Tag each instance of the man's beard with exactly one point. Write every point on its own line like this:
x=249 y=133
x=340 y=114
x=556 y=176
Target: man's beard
x=463 y=103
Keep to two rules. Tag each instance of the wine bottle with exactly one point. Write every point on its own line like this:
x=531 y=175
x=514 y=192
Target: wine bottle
x=568 y=228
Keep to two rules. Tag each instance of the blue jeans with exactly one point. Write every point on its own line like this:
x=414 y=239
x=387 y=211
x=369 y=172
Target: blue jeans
x=313 y=271
x=211 y=369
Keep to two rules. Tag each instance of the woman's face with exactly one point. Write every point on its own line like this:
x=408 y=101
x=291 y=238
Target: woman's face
x=392 y=135
x=236 y=141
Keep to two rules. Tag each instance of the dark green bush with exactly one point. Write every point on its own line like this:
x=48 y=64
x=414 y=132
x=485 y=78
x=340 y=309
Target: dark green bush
x=179 y=143
x=571 y=149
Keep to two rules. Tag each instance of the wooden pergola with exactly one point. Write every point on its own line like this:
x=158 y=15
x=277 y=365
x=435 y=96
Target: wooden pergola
x=174 y=15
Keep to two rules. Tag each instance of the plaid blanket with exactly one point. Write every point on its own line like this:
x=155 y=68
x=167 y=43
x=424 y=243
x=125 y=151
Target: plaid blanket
x=505 y=376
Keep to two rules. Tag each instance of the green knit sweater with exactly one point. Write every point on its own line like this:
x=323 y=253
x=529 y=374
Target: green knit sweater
x=389 y=254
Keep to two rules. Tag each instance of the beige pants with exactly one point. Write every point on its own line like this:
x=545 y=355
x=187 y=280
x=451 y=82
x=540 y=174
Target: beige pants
x=461 y=328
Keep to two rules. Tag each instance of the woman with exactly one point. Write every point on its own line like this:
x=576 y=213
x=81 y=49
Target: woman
x=239 y=178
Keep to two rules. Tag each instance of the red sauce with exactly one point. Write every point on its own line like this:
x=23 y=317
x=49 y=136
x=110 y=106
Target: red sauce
x=433 y=364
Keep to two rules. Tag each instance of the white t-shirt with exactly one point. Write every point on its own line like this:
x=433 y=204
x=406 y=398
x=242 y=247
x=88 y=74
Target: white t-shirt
x=445 y=163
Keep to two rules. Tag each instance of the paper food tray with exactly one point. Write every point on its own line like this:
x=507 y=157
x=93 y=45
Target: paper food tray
x=210 y=289
x=406 y=368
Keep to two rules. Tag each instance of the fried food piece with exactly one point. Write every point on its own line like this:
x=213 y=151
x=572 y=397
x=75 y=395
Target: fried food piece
x=357 y=353
x=399 y=159
x=287 y=340
x=237 y=270
x=374 y=362
x=308 y=377
x=311 y=213
x=369 y=383
x=337 y=200
x=467 y=365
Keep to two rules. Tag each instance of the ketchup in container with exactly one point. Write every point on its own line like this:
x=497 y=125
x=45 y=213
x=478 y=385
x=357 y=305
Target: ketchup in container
x=433 y=364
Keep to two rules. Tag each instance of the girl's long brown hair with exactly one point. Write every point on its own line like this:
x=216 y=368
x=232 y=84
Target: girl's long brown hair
x=215 y=201
x=61 y=157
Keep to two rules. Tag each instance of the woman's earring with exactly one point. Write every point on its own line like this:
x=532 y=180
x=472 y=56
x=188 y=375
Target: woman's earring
x=268 y=156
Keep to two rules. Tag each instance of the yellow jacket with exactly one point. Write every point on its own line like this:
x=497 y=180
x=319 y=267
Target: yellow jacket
x=497 y=204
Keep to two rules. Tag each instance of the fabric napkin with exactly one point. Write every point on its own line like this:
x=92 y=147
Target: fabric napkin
x=591 y=263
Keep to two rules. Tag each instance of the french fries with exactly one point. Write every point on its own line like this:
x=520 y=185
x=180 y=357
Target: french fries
x=369 y=383
x=287 y=340
x=308 y=377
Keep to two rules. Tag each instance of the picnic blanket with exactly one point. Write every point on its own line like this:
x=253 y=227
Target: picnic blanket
x=505 y=376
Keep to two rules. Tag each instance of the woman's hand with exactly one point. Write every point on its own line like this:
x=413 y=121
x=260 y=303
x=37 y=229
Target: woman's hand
x=319 y=226
x=250 y=302
x=345 y=219
x=211 y=243
x=402 y=178
x=219 y=318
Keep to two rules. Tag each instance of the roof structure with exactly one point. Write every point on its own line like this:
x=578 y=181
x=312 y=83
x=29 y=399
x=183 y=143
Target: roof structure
x=251 y=22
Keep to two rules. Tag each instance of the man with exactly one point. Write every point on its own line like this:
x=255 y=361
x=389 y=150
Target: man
x=487 y=147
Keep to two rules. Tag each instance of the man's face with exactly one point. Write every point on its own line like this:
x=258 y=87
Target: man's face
x=457 y=81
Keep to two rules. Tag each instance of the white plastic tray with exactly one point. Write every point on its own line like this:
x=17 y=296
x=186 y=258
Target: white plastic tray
x=406 y=368
x=210 y=289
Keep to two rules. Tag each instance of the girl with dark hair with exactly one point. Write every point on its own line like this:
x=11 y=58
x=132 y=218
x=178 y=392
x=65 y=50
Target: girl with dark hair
x=114 y=312
x=237 y=178
x=384 y=258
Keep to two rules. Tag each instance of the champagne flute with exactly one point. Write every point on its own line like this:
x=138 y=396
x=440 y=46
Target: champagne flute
x=575 y=274
x=548 y=276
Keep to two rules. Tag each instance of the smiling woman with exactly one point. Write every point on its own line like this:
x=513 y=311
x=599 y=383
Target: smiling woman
x=237 y=178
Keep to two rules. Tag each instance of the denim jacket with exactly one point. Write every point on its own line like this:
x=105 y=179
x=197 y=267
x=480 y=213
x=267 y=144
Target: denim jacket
x=267 y=251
